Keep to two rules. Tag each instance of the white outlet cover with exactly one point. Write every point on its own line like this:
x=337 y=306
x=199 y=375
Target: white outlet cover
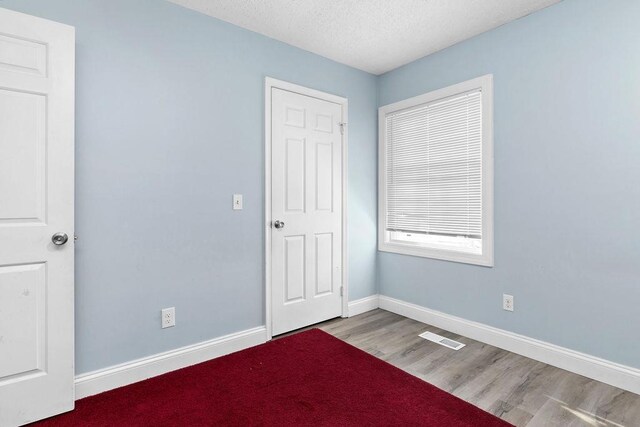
x=168 y=317
x=237 y=202
x=507 y=302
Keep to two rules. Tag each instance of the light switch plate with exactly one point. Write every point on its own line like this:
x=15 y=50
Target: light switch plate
x=237 y=202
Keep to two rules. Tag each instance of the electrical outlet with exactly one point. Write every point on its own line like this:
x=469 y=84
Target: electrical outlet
x=168 y=317
x=507 y=302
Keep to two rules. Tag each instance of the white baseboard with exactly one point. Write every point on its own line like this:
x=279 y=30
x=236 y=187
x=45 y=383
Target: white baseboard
x=127 y=373
x=363 y=305
x=624 y=377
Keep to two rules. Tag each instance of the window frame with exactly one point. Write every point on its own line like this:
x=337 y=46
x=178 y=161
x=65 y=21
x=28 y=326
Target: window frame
x=485 y=84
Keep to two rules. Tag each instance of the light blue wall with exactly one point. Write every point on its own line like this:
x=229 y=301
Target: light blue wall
x=567 y=179
x=169 y=125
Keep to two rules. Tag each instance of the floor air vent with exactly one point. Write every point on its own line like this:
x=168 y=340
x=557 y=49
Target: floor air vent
x=455 y=345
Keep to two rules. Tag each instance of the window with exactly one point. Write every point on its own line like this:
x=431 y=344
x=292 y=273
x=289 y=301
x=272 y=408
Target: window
x=436 y=174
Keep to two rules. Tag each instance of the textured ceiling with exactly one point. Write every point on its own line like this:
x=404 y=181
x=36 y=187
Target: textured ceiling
x=372 y=35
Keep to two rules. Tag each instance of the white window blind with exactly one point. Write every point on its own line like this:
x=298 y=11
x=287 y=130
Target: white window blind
x=434 y=167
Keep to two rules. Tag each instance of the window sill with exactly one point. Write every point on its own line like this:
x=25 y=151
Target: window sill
x=485 y=260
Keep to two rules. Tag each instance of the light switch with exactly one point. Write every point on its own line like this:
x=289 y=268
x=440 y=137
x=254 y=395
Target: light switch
x=237 y=202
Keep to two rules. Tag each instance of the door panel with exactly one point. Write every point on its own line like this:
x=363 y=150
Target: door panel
x=23 y=56
x=324 y=264
x=306 y=195
x=324 y=177
x=36 y=201
x=295 y=175
x=294 y=276
x=24 y=333
x=22 y=157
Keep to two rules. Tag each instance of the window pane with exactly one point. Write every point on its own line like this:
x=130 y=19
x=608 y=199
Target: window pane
x=434 y=172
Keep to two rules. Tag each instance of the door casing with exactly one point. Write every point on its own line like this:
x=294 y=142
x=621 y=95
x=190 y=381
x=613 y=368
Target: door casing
x=269 y=84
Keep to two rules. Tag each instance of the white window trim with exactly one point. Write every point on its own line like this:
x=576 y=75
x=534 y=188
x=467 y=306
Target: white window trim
x=485 y=83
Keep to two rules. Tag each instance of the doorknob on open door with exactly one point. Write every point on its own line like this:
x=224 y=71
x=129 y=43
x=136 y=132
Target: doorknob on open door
x=59 y=239
x=278 y=224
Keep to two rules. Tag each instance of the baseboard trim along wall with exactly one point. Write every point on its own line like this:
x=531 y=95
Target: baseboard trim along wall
x=127 y=373
x=141 y=369
x=624 y=377
x=363 y=305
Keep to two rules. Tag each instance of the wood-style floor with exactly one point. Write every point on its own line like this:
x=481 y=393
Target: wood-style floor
x=519 y=390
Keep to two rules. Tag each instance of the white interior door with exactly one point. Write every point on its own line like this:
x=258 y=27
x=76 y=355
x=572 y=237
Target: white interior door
x=306 y=210
x=36 y=201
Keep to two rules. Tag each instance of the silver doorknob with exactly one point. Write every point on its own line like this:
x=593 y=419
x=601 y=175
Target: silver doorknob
x=278 y=224
x=59 y=239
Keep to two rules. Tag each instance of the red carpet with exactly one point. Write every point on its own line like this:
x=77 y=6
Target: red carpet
x=310 y=378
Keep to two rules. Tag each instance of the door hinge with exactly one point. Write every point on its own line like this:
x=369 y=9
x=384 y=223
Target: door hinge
x=341 y=291
x=342 y=125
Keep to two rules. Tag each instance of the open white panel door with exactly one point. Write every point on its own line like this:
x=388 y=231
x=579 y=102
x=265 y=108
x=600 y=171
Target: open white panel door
x=306 y=194
x=36 y=204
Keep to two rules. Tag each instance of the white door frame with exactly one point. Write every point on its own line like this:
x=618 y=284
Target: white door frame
x=269 y=84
